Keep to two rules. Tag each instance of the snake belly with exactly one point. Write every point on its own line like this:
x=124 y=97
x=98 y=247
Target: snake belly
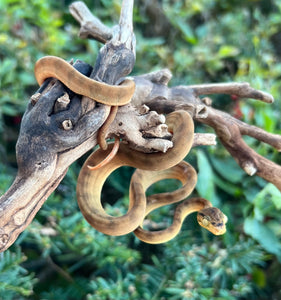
x=89 y=184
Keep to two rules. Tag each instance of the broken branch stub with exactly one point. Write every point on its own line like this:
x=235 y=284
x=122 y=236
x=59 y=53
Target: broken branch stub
x=44 y=151
x=229 y=130
x=54 y=133
x=59 y=126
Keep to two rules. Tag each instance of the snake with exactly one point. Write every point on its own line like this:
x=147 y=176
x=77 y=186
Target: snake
x=90 y=182
x=208 y=217
x=114 y=95
x=151 y=167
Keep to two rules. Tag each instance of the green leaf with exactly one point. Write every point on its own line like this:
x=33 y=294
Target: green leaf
x=26 y=78
x=259 y=277
x=228 y=169
x=268 y=193
x=205 y=183
x=174 y=291
x=186 y=31
x=9 y=110
x=207 y=292
x=228 y=51
x=264 y=235
x=231 y=189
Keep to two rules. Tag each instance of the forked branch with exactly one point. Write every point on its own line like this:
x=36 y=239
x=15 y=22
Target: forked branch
x=59 y=127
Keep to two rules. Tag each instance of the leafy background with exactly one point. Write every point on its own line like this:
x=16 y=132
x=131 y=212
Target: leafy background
x=59 y=256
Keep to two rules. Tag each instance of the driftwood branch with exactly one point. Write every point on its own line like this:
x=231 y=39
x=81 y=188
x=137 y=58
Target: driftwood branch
x=90 y=26
x=55 y=132
x=228 y=129
x=59 y=127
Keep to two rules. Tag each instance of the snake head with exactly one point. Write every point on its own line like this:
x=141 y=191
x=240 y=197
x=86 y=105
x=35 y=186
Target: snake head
x=213 y=220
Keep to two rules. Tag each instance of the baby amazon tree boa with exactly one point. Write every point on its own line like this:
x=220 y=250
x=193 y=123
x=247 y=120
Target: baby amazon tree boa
x=115 y=95
x=151 y=167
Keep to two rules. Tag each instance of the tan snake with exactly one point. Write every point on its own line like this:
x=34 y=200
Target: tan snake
x=113 y=95
x=151 y=167
x=208 y=217
x=52 y=66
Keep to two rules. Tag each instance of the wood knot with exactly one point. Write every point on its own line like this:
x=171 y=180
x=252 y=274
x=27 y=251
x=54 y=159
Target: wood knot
x=144 y=109
x=207 y=100
x=67 y=124
x=62 y=103
x=19 y=218
x=34 y=98
x=3 y=240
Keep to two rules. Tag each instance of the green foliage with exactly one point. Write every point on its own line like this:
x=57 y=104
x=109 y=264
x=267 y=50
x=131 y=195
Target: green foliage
x=266 y=205
x=205 y=41
x=213 y=272
x=14 y=279
x=205 y=271
x=205 y=184
x=19 y=43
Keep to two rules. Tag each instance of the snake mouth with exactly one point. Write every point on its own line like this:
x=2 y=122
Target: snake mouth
x=219 y=231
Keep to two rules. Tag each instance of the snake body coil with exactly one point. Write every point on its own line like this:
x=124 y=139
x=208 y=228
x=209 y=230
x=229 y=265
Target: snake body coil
x=151 y=167
x=90 y=183
x=52 y=66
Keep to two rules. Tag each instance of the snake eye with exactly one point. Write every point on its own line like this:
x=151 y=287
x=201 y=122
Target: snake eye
x=205 y=222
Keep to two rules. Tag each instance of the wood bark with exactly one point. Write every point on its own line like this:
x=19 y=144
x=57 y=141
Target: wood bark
x=58 y=126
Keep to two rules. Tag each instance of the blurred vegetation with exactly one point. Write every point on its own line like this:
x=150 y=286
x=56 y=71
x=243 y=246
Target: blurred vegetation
x=60 y=256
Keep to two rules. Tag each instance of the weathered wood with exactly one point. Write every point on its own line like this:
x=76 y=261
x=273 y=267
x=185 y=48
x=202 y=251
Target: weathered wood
x=228 y=129
x=44 y=152
x=59 y=127
x=45 y=149
x=90 y=26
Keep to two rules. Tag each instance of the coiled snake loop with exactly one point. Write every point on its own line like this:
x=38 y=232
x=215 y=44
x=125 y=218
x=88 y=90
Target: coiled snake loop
x=151 y=167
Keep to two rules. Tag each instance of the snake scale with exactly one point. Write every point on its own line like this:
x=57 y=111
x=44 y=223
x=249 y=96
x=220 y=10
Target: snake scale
x=52 y=66
x=151 y=167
